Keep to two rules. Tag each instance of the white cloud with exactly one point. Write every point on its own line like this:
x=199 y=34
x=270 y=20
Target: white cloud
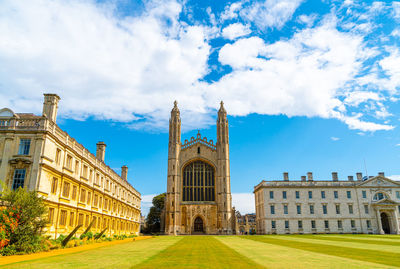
x=391 y=65
x=124 y=66
x=394 y=177
x=308 y=20
x=335 y=138
x=396 y=9
x=395 y=32
x=243 y=202
x=357 y=97
x=270 y=13
x=355 y=123
x=132 y=68
x=304 y=75
x=235 y=30
x=231 y=11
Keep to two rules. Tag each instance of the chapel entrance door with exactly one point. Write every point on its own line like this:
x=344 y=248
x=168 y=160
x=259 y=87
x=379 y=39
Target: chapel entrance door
x=198 y=225
x=385 y=223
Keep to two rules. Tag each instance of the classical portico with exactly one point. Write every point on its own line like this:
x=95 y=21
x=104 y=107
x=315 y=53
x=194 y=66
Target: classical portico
x=387 y=216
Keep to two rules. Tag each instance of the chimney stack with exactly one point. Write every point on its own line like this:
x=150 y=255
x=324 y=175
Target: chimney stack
x=50 y=106
x=124 y=172
x=351 y=178
x=101 y=151
x=303 y=178
x=382 y=174
x=309 y=176
x=286 y=176
x=334 y=176
x=359 y=176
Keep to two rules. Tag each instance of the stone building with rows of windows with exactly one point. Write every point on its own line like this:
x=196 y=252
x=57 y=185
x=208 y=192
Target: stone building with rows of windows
x=78 y=187
x=366 y=205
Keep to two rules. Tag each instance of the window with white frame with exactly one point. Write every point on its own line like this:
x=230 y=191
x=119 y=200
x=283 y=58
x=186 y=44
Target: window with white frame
x=19 y=178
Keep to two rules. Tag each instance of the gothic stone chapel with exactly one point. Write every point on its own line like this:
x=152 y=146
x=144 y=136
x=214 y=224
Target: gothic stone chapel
x=198 y=199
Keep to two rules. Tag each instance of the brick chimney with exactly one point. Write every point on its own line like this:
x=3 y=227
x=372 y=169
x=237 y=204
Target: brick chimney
x=335 y=176
x=50 y=106
x=285 y=176
x=303 y=178
x=124 y=172
x=351 y=178
x=309 y=176
x=101 y=150
x=359 y=176
x=382 y=174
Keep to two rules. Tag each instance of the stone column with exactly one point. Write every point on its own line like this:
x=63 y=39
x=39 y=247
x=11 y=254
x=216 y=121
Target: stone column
x=378 y=218
x=7 y=153
x=36 y=160
x=396 y=221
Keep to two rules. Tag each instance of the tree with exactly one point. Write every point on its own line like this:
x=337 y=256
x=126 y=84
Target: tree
x=154 y=217
x=32 y=219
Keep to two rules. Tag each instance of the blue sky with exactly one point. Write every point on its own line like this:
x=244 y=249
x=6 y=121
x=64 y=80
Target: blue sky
x=308 y=85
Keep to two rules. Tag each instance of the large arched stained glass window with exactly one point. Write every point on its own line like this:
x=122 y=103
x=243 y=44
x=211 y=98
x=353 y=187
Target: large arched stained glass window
x=198 y=182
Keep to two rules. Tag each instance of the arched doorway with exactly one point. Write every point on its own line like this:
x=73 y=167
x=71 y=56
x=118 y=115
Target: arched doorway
x=385 y=223
x=198 y=225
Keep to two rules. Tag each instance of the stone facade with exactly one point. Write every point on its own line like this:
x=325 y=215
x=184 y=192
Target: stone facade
x=198 y=196
x=78 y=187
x=246 y=224
x=367 y=205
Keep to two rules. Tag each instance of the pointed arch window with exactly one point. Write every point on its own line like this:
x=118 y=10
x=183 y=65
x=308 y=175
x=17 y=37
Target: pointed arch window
x=198 y=182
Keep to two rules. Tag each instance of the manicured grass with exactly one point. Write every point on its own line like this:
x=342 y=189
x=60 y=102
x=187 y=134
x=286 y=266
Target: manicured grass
x=355 y=239
x=297 y=242
x=277 y=256
x=199 y=252
x=262 y=251
x=333 y=243
x=125 y=255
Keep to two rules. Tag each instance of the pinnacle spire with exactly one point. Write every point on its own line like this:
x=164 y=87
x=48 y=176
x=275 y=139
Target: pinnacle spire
x=175 y=110
x=222 y=111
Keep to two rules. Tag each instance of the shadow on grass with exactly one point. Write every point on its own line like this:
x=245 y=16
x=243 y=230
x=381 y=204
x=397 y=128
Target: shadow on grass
x=382 y=257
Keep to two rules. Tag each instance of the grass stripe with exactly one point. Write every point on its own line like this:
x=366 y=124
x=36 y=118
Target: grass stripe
x=374 y=256
x=375 y=236
x=198 y=252
x=123 y=256
x=354 y=244
x=275 y=256
x=354 y=240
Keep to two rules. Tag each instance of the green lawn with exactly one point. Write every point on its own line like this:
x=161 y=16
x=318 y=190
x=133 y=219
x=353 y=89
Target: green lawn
x=268 y=251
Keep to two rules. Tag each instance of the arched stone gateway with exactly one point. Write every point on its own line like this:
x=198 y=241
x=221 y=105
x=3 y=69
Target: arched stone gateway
x=385 y=223
x=198 y=225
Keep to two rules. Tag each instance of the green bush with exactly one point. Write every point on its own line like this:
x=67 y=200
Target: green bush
x=27 y=236
x=8 y=250
x=88 y=235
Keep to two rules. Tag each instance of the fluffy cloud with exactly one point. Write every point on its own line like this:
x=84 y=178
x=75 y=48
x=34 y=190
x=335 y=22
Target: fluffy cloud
x=235 y=30
x=121 y=67
x=304 y=75
x=132 y=68
x=270 y=13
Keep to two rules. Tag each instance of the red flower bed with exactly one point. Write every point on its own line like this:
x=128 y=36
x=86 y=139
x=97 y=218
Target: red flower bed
x=9 y=218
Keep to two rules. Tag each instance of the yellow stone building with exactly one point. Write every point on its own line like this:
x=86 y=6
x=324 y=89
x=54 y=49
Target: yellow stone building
x=78 y=186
